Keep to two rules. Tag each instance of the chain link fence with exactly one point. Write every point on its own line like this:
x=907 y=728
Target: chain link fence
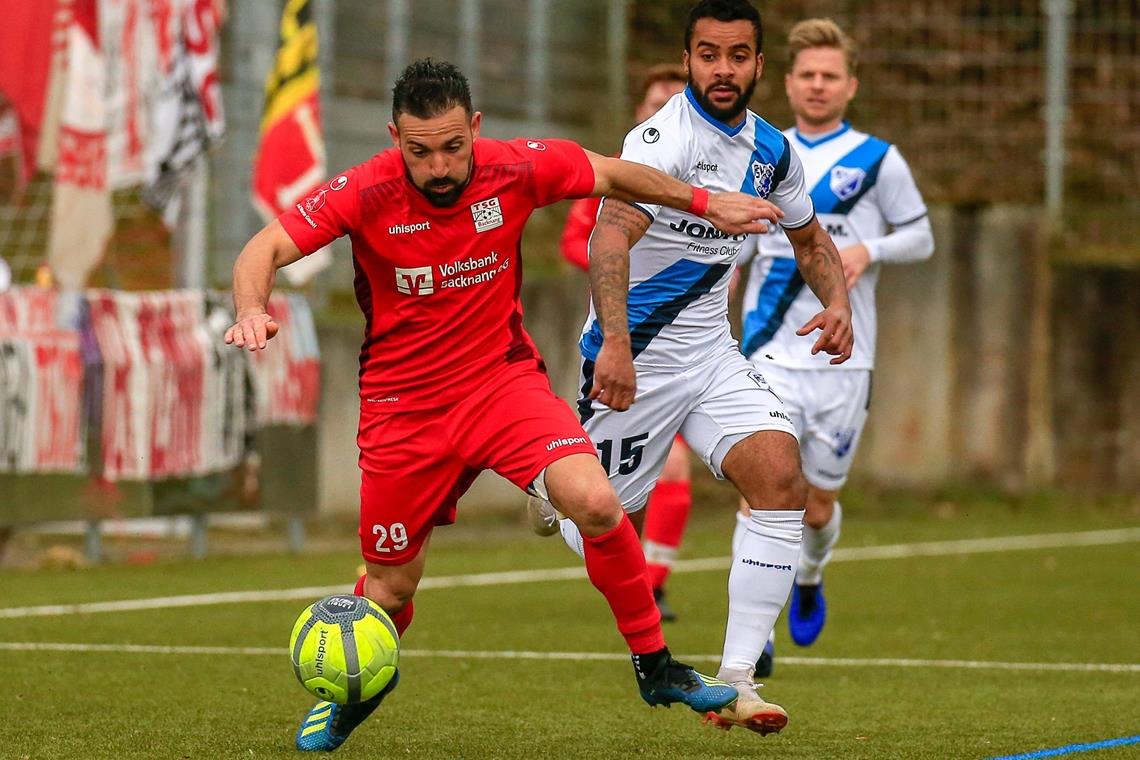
x=959 y=85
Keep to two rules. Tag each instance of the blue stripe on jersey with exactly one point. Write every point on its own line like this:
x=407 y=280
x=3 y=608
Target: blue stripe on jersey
x=858 y=171
x=779 y=289
x=720 y=125
x=769 y=162
x=655 y=303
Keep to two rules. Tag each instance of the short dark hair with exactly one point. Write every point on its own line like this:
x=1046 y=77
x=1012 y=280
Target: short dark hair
x=427 y=88
x=725 y=10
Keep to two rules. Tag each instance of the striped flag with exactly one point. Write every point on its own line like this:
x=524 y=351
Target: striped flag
x=290 y=159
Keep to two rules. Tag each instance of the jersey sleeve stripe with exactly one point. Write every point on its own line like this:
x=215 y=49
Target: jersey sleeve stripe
x=912 y=220
x=644 y=210
x=801 y=225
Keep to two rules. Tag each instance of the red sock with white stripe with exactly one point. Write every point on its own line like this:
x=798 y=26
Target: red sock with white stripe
x=616 y=566
x=667 y=514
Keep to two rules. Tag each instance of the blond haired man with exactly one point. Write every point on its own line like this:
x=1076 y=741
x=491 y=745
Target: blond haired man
x=867 y=200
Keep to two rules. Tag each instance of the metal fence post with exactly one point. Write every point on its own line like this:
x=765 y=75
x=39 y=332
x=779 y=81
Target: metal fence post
x=1057 y=13
x=617 y=47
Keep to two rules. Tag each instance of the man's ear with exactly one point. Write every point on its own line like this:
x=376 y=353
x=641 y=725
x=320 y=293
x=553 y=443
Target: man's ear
x=476 y=122
x=394 y=133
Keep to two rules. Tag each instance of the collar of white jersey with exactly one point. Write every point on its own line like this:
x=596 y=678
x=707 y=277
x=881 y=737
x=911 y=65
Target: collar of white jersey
x=809 y=142
x=713 y=121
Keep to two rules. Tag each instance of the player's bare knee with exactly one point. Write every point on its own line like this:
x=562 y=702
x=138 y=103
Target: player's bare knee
x=596 y=510
x=790 y=489
x=391 y=593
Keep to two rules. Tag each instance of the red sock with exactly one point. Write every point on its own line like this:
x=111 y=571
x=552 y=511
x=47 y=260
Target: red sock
x=616 y=566
x=401 y=619
x=667 y=514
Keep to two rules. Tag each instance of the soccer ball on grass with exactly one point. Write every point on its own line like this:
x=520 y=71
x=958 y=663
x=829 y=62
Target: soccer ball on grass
x=344 y=649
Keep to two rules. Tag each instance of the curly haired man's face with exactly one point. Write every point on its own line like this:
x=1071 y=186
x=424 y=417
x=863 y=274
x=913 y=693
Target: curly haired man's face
x=437 y=152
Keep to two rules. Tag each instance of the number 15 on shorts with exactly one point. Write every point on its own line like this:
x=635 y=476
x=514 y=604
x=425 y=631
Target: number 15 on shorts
x=629 y=455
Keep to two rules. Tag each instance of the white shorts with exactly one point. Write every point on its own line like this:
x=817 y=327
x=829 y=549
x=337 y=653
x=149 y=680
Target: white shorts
x=713 y=405
x=829 y=409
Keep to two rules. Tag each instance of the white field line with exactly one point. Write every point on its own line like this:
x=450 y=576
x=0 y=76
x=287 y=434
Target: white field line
x=841 y=662
x=854 y=554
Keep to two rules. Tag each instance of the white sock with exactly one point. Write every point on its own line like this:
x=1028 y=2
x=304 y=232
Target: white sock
x=573 y=537
x=816 y=553
x=758 y=587
x=739 y=531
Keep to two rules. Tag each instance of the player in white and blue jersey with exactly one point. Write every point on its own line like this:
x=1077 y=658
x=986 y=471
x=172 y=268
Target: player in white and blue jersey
x=865 y=196
x=658 y=336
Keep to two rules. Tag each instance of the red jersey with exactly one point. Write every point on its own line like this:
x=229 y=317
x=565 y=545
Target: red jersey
x=439 y=287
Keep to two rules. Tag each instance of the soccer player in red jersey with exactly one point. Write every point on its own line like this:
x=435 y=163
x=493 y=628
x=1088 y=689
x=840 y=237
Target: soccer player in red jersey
x=450 y=383
x=667 y=512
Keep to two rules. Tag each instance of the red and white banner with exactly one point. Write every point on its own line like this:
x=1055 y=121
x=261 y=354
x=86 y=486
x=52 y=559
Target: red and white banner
x=130 y=45
x=187 y=118
x=287 y=374
x=42 y=424
x=172 y=404
x=81 y=221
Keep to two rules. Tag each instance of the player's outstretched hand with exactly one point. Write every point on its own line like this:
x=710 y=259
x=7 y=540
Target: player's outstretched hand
x=737 y=213
x=836 y=336
x=615 y=380
x=252 y=331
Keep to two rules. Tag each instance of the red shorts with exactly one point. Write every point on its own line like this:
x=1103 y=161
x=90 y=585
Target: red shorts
x=415 y=465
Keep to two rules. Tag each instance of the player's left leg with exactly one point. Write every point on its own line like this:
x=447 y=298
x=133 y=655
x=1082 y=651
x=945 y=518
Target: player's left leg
x=411 y=479
x=529 y=436
x=833 y=426
x=615 y=563
x=742 y=432
x=328 y=725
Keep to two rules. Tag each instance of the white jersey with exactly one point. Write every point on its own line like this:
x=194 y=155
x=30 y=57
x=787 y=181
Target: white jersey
x=680 y=269
x=860 y=186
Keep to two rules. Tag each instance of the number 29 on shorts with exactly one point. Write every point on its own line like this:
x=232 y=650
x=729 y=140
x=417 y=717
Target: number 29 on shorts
x=388 y=538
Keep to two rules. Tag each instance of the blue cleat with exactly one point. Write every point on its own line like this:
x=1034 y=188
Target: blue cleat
x=807 y=614
x=328 y=725
x=767 y=661
x=673 y=682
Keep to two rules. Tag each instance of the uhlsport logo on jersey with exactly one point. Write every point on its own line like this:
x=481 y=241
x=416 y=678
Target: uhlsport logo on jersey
x=415 y=281
x=846 y=181
x=762 y=178
x=487 y=214
x=560 y=442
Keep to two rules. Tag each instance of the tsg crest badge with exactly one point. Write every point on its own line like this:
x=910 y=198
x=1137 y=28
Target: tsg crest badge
x=762 y=178
x=846 y=182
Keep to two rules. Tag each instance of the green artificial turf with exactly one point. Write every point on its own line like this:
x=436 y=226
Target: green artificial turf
x=1059 y=605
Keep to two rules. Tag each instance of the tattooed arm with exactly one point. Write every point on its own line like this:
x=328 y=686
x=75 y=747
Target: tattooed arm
x=822 y=270
x=619 y=226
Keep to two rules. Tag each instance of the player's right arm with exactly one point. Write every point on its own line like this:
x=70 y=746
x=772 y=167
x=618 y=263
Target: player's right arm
x=732 y=213
x=618 y=228
x=254 y=273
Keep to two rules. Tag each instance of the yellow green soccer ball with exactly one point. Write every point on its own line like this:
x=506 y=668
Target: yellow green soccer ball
x=344 y=649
